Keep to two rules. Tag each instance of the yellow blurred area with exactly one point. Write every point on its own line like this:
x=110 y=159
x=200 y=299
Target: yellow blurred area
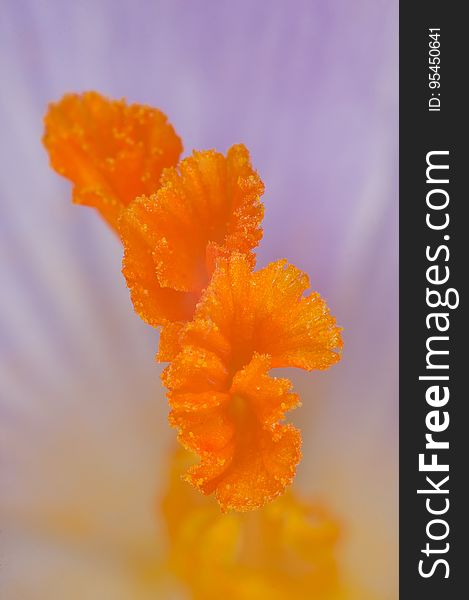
x=285 y=550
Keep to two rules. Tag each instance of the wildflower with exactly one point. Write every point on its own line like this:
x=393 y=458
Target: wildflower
x=188 y=262
x=110 y=150
x=224 y=403
x=206 y=208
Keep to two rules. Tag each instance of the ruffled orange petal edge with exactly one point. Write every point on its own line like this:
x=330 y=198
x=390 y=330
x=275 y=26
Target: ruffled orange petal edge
x=225 y=405
x=244 y=311
x=205 y=208
x=248 y=458
x=111 y=151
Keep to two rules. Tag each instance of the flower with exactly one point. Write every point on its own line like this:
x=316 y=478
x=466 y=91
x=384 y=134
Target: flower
x=221 y=70
x=207 y=207
x=195 y=233
x=205 y=218
x=111 y=151
x=225 y=405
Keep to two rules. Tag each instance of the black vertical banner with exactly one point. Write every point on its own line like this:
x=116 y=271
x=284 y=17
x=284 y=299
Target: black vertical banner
x=434 y=258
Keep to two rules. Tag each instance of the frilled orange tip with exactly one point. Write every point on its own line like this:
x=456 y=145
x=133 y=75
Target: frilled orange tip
x=206 y=208
x=224 y=403
x=286 y=550
x=110 y=150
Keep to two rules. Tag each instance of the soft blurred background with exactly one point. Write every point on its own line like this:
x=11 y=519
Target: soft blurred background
x=311 y=88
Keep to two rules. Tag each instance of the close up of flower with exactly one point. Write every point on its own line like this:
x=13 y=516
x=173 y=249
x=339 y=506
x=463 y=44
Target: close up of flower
x=243 y=157
x=224 y=403
x=111 y=151
x=188 y=262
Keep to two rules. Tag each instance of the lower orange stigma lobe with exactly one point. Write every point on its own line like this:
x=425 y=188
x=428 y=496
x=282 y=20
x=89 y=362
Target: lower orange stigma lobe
x=224 y=403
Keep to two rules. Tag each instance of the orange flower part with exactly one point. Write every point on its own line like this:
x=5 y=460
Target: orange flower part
x=110 y=150
x=289 y=549
x=207 y=207
x=224 y=403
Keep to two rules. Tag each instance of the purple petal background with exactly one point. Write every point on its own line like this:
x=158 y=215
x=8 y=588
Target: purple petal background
x=311 y=88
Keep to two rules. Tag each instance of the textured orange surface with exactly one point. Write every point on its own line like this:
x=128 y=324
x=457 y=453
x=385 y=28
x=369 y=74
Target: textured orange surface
x=189 y=230
x=205 y=208
x=224 y=403
x=110 y=150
